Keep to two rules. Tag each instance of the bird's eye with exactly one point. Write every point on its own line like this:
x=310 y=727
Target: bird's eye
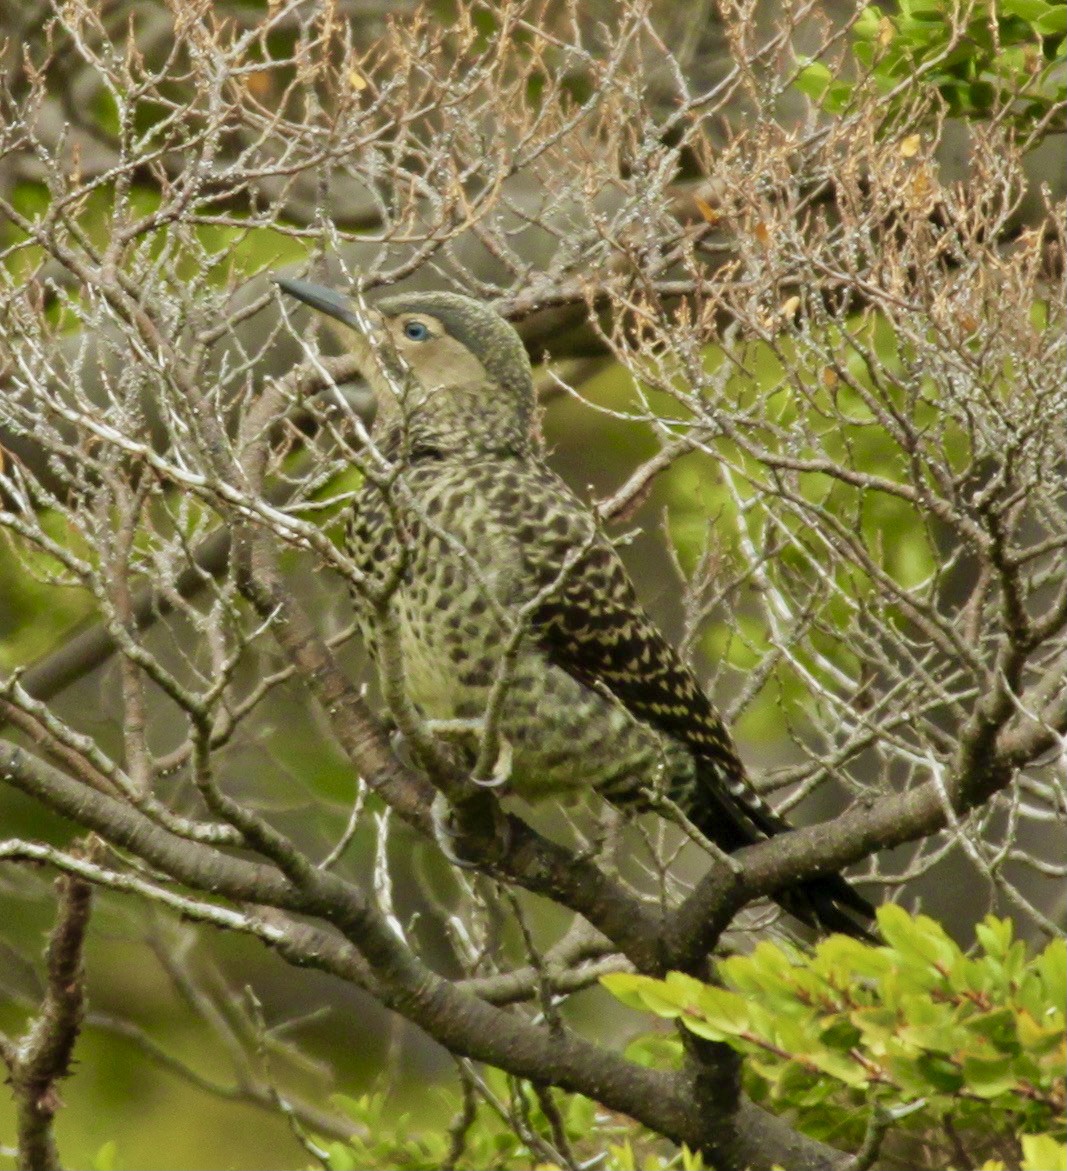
x=416 y=331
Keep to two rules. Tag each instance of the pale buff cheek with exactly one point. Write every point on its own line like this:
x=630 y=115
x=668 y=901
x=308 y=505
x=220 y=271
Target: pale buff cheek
x=457 y=366
x=441 y=362
x=417 y=371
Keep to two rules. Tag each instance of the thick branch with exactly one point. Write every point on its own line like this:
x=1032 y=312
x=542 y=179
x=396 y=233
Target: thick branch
x=43 y=1057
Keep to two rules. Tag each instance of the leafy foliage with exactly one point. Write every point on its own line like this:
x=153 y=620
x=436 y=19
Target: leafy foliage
x=500 y=1124
x=916 y=1028
x=976 y=56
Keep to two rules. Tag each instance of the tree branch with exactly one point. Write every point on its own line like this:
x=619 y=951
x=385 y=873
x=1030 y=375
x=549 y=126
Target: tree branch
x=43 y=1056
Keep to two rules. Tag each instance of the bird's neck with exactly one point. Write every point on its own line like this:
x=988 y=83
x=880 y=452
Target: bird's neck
x=465 y=422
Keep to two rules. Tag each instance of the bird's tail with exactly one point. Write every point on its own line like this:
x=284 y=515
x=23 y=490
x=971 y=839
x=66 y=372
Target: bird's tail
x=732 y=814
x=830 y=904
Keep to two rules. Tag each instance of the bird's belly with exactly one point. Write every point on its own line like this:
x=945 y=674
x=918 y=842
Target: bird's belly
x=559 y=734
x=453 y=636
x=447 y=654
x=581 y=740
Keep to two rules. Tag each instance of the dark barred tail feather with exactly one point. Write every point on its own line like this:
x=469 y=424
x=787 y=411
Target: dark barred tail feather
x=733 y=815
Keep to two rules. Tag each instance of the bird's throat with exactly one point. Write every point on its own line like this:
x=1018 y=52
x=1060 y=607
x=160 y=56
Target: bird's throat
x=464 y=421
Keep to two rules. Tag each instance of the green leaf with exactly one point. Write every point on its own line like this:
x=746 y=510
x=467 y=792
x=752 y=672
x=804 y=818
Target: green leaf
x=951 y=1033
x=702 y=1028
x=995 y=935
x=941 y=1073
x=869 y=24
x=1052 y=965
x=341 y=1158
x=1029 y=10
x=105 y=1157
x=814 y=80
x=998 y=1027
x=877 y=1024
x=841 y=1034
x=358 y=1109
x=626 y=986
x=933 y=11
x=678 y=995
x=1041 y=1152
x=793 y=1078
x=1053 y=23
x=981 y=95
x=622 y=1157
x=663 y=1000
x=1037 y=1038
x=989 y=1078
x=691 y=1160
x=1015 y=962
x=942 y=1038
x=841 y=959
x=921 y=1010
x=685 y=988
x=838 y=97
x=722 y=1009
x=794 y=1036
x=750 y=972
x=837 y=1065
x=916 y=937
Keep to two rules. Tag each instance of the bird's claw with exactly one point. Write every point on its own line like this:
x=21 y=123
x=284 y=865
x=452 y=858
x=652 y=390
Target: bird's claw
x=402 y=749
x=445 y=831
x=448 y=833
x=464 y=728
x=501 y=770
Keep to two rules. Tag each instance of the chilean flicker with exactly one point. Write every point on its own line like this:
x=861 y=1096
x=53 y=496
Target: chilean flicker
x=491 y=550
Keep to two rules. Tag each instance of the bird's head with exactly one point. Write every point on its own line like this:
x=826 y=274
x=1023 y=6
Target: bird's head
x=448 y=366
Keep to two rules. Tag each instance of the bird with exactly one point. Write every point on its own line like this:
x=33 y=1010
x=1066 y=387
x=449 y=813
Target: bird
x=500 y=571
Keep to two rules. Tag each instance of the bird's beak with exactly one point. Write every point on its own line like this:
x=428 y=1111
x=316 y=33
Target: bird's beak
x=327 y=301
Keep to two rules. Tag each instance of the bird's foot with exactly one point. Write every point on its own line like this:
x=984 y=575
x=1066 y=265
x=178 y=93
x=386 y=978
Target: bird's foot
x=453 y=825
x=449 y=731
x=475 y=727
x=446 y=832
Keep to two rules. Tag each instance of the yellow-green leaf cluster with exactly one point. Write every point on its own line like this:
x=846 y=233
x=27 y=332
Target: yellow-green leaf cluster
x=914 y=1021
